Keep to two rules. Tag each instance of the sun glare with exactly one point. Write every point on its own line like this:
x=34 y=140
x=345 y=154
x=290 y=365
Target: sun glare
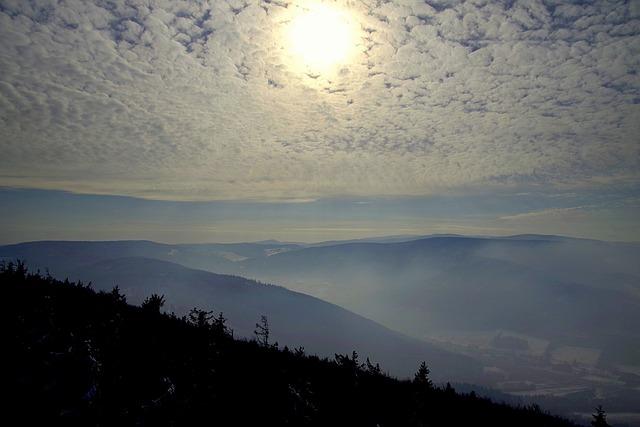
x=322 y=37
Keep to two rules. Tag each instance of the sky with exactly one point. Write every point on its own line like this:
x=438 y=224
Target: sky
x=199 y=121
x=28 y=215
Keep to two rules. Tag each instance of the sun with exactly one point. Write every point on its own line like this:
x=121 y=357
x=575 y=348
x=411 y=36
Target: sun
x=322 y=37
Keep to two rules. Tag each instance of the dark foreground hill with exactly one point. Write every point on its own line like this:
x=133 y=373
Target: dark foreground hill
x=77 y=357
x=296 y=319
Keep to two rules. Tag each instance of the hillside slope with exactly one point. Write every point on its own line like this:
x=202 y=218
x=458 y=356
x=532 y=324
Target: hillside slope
x=86 y=358
x=296 y=319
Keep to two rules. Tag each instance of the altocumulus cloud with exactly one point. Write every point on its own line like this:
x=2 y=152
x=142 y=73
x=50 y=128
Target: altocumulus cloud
x=195 y=99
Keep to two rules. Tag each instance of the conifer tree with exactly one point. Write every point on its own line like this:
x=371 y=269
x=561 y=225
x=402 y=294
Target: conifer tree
x=153 y=303
x=201 y=318
x=262 y=331
x=422 y=376
x=599 y=418
x=219 y=326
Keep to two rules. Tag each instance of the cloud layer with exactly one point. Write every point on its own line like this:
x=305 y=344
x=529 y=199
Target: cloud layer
x=202 y=100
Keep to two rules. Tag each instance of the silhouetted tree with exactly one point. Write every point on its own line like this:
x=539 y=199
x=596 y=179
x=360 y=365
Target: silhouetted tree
x=153 y=303
x=262 y=331
x=349 y=364
x=373 y=369
x=421 y=377
x=599 y=418
x=15 y=270
x=200 y=318
x=117 y=296
x=449 y=389
x=219 y=326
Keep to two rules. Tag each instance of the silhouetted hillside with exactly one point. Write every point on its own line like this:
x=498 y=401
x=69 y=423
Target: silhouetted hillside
x=297 y=319
x=77 y=357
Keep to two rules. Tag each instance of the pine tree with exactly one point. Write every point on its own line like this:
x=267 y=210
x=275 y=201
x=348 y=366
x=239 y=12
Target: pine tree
x=117 y=296
x=262 y=331
x=219 y=326
x=599 y=418
x=153 y=303
x=373 y=369
x=200 y=318
x=422 y=376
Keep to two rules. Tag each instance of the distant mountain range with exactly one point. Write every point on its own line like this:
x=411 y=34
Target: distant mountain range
x=570 y=291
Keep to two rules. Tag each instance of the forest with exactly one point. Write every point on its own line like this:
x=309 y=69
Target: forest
x=78 y=357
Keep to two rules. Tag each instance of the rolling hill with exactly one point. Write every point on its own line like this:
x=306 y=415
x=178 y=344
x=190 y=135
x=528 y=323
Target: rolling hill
x=82 y=357
x=296 y=319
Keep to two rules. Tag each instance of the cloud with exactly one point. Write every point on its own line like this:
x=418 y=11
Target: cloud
x=546 y=215
x=608 y=217
x=199 y=100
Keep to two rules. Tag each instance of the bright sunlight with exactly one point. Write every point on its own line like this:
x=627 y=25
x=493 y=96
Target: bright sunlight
x=322 y=37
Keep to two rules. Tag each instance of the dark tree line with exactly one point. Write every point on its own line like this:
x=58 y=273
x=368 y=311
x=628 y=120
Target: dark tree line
x=80 y=357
